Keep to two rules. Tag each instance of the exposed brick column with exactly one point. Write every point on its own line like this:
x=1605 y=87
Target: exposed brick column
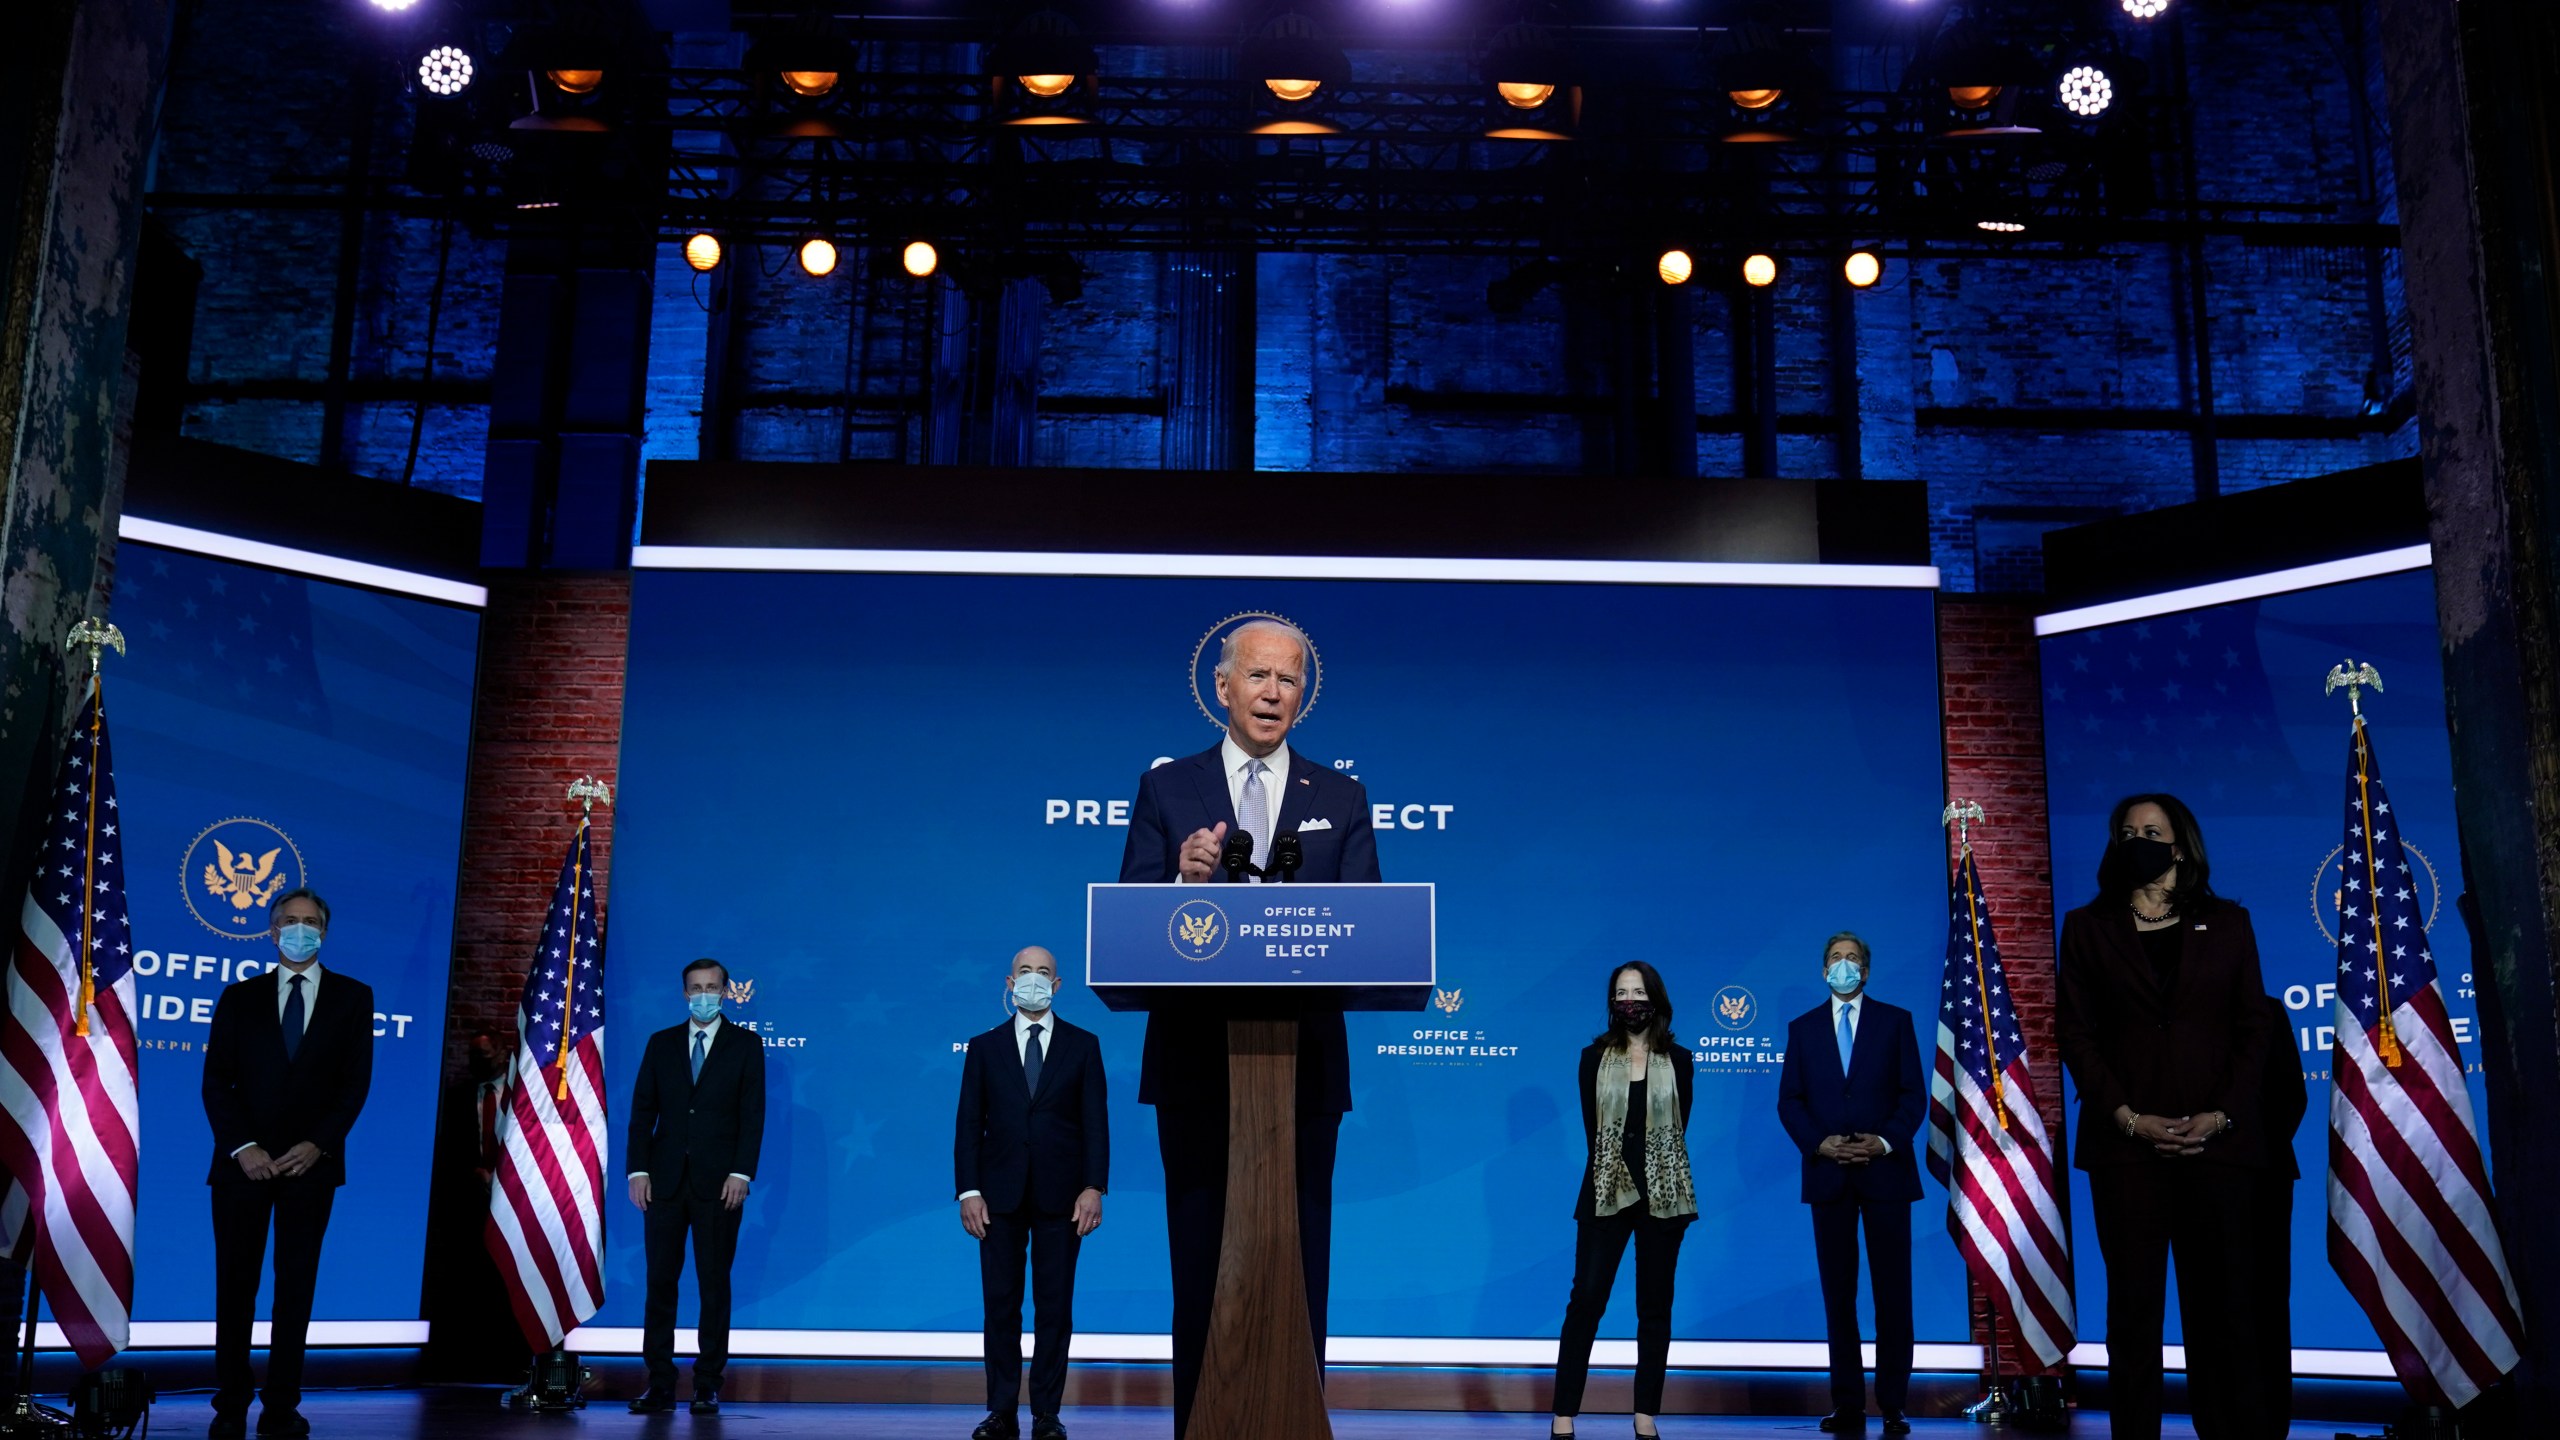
x=1992 y=696
x=552 y=650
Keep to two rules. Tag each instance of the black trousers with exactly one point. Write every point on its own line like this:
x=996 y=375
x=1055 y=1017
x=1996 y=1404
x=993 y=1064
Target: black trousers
x=2205 y=1217
x=1835 y=1252
x=1051 y=1242
x=2274 y=1251
x=715 y=1244
x=298 y=1209
x=1192 y=1139
x=1598 y=1246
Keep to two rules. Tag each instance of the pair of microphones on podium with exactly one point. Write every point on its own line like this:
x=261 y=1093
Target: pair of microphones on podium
x=1286 y=856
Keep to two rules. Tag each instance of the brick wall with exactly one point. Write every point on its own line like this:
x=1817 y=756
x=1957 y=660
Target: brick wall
x=1994 y=723
x=550 y=709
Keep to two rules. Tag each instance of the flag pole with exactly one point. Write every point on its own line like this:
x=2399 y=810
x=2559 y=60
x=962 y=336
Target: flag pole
x=2354 y=676
x=93 y=635
x=1992 y=1408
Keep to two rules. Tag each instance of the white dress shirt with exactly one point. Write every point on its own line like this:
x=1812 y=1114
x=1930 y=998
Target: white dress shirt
x=284 y=994
x=709 y=1030
x=1856 y=1006
x=1275 y=784
x=1023 y=1020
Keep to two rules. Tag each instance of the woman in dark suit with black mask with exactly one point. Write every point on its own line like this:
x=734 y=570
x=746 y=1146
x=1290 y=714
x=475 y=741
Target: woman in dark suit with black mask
x=2163 y=1024
x=1635 y=1085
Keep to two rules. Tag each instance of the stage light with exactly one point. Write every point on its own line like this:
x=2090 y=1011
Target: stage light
x=1294 y=91
x=1760 y=271
x=2145 y=9
x=810 y=83
x=1047 y=87
x=393 y=7
x=575 y=82
x=1972 y=97
x=2002 y=227
x=1524 y=95
x=1675 y=267
x=1754 y=99
x=444 y=70
x=818 y=257
x=702 y=252
x=920 y=259
x=2086 y=91
x=1861 y=269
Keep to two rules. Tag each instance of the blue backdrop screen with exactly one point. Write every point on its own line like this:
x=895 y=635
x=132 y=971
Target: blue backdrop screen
x=273 y=731
x=2222 y=706
x=865 y=792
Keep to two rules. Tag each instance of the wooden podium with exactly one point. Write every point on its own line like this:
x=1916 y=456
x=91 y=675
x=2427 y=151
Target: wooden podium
x=1261 y=953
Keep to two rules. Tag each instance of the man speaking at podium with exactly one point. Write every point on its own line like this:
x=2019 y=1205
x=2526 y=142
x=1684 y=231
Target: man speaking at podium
x=1250 y=784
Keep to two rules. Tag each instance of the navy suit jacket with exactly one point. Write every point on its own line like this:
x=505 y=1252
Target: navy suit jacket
x=693 y=1134
x=254 y=1095
x=1186 y=1049
x=1013 y=1145
x=1882 y=1094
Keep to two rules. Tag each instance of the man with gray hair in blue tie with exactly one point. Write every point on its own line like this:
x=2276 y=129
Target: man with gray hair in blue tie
x=1253 y=784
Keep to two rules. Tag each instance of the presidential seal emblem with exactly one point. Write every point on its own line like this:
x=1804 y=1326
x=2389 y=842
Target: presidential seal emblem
x=1204 y=665
x=1448 y=1001
x=234 y=870
x=2339 y=885
x=741 y=991
x=1736 y=1007
x=1197 y=930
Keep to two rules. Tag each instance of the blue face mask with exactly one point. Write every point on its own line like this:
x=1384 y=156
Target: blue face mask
x=1032 y=991
x=705 y=1008
x=299 y=941
x=1844 y=977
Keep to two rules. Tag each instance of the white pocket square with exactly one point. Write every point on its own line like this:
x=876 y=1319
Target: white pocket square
x=1306 y=825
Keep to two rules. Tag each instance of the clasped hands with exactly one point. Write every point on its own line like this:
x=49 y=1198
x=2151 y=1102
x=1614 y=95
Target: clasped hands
x=1852 y=1150
x=257 y=1164
x=733 y=1192
x=2185 y=1135
x=1088 y=1213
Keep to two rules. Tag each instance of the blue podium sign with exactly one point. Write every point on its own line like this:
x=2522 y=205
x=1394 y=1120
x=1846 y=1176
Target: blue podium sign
x=1359 y=947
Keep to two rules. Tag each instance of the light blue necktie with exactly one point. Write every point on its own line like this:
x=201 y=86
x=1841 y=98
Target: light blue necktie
x=1848 y=1037
x=697 y=1054
x=1255 y=814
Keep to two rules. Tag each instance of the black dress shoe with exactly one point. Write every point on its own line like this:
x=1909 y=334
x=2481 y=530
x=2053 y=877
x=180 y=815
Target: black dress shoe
x=705 y=1402
x=653 y=1402
x=1896 y=1423
x=1845 y=1422
x=227 y=1427
x=286 y=1423
x=997 y=1427
x=1046 y=1427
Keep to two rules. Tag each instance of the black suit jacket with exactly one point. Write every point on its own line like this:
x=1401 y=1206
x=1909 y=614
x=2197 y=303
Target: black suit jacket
x=1013 y=1145
x=690 y=1134
x=1880 y=1094
x=2200 y=1045
x=254 y=1095
x=2282 y=1103
x=1185 y=1059
x=1684 y=1069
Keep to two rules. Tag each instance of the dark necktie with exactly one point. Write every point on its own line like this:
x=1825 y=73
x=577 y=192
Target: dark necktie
x=1031 y=1062
x=292 y=1016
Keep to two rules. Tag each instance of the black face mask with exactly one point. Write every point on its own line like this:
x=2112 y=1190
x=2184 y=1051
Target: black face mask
x=2136 y=861
x=1632 y=1014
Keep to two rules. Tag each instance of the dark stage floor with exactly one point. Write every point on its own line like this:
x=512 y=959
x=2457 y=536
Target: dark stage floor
x=448 y=1414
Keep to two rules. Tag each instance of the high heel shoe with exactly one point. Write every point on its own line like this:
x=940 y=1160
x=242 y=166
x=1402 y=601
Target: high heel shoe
x=1641 y=1435
x=1555 y=1434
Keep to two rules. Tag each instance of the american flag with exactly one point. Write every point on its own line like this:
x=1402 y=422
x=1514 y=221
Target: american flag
x=73 y=1139
x=546 y=1210
x=2409 y=1225
x=1987 y=1145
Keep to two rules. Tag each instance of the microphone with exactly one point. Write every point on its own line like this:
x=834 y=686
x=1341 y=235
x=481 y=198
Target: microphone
x=1286 y=856
x=1237 y=857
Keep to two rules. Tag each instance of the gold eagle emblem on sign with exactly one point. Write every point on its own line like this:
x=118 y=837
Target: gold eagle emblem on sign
x=1448 y=1000
x=1199 y=930
x=247 y=881
x=741 y=991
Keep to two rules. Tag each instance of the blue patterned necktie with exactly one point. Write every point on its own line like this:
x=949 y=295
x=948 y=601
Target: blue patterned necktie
x=1848 y=1037
x=1031 y=1062
x=1255 y=813
x=292 y=1016
x=697 y=1053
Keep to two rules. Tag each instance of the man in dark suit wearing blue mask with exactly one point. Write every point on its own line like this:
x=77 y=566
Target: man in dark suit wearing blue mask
x=1252 y=782
x=1030 y=1160
x=1852 y=1098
